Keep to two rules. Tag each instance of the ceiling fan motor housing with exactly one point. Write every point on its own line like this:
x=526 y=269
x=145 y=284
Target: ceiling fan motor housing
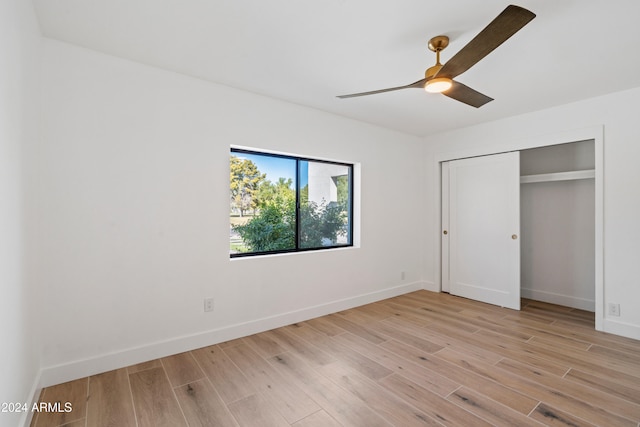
x=432 y=71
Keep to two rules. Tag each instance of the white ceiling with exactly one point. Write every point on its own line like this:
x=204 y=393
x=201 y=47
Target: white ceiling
x=307 y=52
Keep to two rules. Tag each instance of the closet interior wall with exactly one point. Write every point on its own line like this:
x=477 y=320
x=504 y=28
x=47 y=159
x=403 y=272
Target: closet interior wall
x=557 y=224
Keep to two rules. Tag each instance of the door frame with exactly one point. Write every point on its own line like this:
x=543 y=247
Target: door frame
x=595 y=133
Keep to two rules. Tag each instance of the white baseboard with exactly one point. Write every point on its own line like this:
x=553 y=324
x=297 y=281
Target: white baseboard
x=431 y=286
x=621 y=328
x=553 y=298
x=82 y=368
x=34 y=395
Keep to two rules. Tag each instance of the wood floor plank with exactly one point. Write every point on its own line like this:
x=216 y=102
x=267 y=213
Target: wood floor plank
x=225 y=376
x=154 y=401
x=551 y=416
x=202 y=406
x=448 y=341
x=500 y=328
x=527 y=319
x=600 y=338
x=547 y=307
x=553 y=339
x=547 y=334
x=422 y=307
x=445 y=412
x=458 y=306
x=430 y=316
x=409 y=315
x=343 y=406
x=468 y=308
x=476 y=308
x=377 y=311
x=505 y=347
x=568 y=317
x=584 y=313
x=265 y=344
x=109 y=403
x=310 y=353
x=584 y=334
x=359 y=316
x=318 y=419
x=624 y=388
x=597 y=337
x=290 y=401
x=432 y=304
x=585 y=359
x=631 y=357
x=340 y=351
x=182 y=369
x=356 y=329
x=255 y=411
x=584 y=393
x=409 y=334
x=387 y=404
x=509 y=397
x=490 y=410
x=538 y=391
x=324 y=325
x=73 y=393
x=132 y=369
x=426 y=378
x=78 y=423
x=231 y=343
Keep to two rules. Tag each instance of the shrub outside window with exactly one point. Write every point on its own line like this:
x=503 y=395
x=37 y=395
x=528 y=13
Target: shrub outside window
x=281 y=203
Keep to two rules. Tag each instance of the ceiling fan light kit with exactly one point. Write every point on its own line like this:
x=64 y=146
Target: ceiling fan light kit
x=438 y=85
x=440 y=78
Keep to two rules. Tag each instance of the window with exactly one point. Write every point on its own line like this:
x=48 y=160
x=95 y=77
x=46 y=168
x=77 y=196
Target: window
x=284 y=203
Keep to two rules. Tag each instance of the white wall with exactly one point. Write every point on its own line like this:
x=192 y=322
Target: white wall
x=134 y=208
x=618 y=113
x=557 y=230
x=19 y=99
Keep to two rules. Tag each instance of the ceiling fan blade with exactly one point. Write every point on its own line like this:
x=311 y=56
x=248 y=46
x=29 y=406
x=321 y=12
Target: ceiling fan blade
x=419 y=83
x=465 y=94
x=509 y=22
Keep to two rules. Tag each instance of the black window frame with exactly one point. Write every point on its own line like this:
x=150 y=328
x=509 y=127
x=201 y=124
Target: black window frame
x=298 y=159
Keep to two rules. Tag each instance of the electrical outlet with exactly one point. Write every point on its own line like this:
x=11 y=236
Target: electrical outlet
x=208 y=304
x=614 y=309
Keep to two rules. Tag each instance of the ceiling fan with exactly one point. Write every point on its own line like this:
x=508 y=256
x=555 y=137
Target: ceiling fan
x=439 y=78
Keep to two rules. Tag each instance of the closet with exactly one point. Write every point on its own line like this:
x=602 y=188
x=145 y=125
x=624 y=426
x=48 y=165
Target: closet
x=557 y=221
x=521 y=224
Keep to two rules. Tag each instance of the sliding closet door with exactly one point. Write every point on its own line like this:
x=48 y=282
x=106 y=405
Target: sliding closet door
x=484 y=228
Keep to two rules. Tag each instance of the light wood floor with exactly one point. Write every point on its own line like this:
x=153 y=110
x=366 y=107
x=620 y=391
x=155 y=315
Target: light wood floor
x=414 y=360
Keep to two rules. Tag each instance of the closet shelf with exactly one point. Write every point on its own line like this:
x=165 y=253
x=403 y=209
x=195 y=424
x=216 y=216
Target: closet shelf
x=558 y=176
